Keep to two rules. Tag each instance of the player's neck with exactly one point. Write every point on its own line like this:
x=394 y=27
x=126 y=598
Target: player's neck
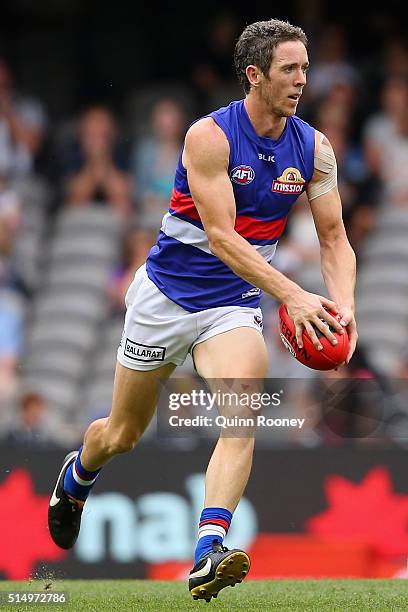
x=265 y=123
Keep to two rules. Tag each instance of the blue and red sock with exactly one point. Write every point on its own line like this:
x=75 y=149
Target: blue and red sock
x=78 y=481
x=214 y=524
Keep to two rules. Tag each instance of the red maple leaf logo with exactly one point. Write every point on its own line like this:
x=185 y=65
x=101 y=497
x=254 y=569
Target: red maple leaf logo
x=24 y=536
x=369 y=511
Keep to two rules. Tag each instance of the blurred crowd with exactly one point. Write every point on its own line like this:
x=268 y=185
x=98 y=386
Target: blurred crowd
x=124 y=161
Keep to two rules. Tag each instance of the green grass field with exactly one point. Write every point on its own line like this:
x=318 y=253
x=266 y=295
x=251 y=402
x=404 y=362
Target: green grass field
x=284 y=595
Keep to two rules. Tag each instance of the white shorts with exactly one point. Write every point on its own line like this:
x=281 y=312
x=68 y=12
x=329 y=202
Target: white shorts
x=157 y=331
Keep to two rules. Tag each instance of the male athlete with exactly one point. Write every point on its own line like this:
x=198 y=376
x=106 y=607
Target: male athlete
x=241 y=169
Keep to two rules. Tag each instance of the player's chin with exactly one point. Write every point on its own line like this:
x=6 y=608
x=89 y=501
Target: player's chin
x=291 y=109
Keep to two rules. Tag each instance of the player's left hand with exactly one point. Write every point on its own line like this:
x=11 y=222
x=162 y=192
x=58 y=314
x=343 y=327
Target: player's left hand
x=347 y=319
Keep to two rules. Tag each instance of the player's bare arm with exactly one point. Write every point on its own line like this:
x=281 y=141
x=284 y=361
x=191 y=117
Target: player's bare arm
x=337 y=257
x=242 y=168
x=206 y=157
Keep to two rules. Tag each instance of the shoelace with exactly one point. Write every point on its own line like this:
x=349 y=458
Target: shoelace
x=219 y=547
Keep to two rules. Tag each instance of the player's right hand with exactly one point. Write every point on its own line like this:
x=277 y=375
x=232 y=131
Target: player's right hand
x=307 y=311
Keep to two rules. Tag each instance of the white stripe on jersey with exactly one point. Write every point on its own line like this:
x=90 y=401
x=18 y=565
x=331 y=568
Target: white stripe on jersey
x=187 y=233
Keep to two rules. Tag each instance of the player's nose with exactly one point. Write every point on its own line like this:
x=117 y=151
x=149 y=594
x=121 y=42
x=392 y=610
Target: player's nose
x=300 y=78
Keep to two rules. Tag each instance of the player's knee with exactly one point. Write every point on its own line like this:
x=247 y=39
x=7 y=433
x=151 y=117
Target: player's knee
x=121 y=442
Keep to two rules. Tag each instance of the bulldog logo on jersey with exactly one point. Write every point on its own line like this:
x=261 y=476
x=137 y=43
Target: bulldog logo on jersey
x=243 y=175
x=289 y=182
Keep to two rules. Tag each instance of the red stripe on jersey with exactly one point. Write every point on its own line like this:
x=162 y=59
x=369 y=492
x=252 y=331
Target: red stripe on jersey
x=246 y=226
x=260 y=230
x=184 y=204
x=215 y=521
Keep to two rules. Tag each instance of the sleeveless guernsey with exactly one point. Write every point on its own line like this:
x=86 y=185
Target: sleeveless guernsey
x=267 y=177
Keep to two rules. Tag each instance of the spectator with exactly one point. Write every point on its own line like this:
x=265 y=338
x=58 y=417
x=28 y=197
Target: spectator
x=137 y=245
x=331 y=65
x=392 y=161
x=11 y=301
x=384 y=125
x=36 y=423
x=11 y=340
x=10 y=218
x=32 y=426
x=154 y=162
x=96 y=174
x=357 y=190
x=22 y=126
x=212 y=74
x=395 y=61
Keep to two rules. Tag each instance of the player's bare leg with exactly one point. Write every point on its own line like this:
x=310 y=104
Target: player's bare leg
x=135 y=396
x=230 y=465
x=134 y=402
x=217 y=359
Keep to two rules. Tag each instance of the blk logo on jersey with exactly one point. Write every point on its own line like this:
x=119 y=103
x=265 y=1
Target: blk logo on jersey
x=243 y=175
x=289 y=182
x=265 y=157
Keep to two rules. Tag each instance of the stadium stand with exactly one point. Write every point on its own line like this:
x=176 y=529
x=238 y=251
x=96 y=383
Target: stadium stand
x=34 y=194
x=97 y=391
x=64 y=330
x=382 y=291
x=64 y=272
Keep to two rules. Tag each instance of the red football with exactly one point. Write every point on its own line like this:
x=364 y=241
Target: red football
x=326 y=359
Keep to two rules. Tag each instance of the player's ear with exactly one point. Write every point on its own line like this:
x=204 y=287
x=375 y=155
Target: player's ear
x=254 y=75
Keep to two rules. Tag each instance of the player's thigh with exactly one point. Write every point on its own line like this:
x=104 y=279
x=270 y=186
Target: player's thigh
x=234 y=364
x=237 y=353
x=135 y=396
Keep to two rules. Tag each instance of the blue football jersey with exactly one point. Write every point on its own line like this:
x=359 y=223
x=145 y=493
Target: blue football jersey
x=267 y=177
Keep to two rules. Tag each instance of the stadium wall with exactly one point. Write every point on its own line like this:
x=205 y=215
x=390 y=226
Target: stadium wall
x=326 y=512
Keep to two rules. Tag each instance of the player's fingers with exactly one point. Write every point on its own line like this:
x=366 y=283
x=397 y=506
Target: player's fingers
x=329 y=304
x=299 y=333
x=334 y=324
x=346 y=318
x=353 y=337
x=351 y=352
x=312 y=335
x=325 y=330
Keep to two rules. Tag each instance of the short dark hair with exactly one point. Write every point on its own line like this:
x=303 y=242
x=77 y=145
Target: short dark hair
x=257 y=43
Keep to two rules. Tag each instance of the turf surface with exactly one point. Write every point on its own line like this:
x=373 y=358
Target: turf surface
x=155 y=596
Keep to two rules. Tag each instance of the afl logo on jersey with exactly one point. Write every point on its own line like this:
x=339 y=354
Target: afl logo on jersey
x=243 y=175
x=289 y=182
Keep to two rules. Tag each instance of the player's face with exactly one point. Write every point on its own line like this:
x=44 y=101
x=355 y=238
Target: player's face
x=283 y=85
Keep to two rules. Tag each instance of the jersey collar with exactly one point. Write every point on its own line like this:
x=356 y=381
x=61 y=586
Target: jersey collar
x=249 y=130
